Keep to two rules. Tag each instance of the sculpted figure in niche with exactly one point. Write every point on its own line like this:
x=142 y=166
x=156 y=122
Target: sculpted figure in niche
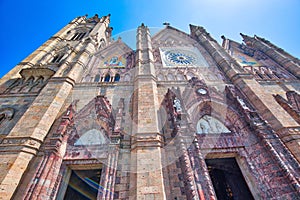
x=209 y=124
x=242 y=103
x=177 y=105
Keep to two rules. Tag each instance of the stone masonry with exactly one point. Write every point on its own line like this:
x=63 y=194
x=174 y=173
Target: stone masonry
x=175 y=117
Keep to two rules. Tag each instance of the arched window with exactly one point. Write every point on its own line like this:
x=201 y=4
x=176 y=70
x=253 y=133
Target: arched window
x=57 y=58
x=87 y=78
x=97 y=78
x=180 y=77
x=160 y=77
x=107 y=78
x=117 y=77
x=260 y=75
x=170 y=77
x=208 y=124
x=102 y=43
x=126 y=77
x=78 y=36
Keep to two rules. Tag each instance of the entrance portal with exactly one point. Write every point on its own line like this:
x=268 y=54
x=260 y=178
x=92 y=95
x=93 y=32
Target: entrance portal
x=83 y=185
x=227 y=179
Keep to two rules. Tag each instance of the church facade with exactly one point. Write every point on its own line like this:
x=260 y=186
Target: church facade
x=179 y=117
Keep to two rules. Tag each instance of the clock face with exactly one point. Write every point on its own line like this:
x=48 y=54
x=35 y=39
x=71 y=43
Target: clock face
x=180 y=57
x=202 y=91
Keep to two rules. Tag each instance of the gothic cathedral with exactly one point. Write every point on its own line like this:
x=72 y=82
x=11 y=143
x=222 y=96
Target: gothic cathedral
x=176 y=117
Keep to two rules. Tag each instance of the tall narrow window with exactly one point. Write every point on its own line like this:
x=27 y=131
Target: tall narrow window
x=227 y=179
x=75 y=36
x=117 y=77
x=81 y=35
x=78 y=36
x=83 y=185
x=259 y=75
x=107 y=78
x=97 y=78
x=278 y=75
x=57 y=58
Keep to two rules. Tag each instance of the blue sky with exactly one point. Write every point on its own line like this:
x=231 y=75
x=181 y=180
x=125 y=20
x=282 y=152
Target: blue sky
x=25 y=25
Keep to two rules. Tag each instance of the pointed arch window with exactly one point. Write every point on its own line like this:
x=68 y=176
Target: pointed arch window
x=117 y=77
x=180 y=77
x=57 y=58
x=78 y=36
x=170 y=77
x=107 y=78
x=209 y=124
x=160 y=77
x=102 y=43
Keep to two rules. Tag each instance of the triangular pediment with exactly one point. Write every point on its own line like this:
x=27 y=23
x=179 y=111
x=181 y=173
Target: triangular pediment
x=114 y=56
x=172 y=36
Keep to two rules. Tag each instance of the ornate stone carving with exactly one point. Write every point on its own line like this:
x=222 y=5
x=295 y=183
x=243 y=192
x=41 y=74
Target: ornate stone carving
x=209 y=124
x=177 y=105
x=292 y=105
x=6 y=114
x=33 y=80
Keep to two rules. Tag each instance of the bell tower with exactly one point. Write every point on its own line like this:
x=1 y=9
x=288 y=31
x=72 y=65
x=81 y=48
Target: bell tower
x=45 y=79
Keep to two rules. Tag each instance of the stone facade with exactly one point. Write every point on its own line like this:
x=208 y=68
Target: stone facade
x=88 y=117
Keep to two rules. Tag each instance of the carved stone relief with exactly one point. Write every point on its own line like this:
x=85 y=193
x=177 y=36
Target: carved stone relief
x=6 y=114
x=33 y=80
x=92 y=137
x=208 y=124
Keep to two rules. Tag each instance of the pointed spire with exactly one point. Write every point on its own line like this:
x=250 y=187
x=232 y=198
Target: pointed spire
x=194 y=28
x=225 y=42
x=247 y=39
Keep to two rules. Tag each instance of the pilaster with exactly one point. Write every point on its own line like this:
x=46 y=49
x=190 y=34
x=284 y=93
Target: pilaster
x=146 y=181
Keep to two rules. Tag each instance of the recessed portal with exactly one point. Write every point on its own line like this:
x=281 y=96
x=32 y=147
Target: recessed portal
x=83 y=185
x=227 y=179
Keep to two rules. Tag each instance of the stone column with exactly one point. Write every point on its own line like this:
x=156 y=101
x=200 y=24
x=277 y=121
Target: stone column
x=146 y=179
x=204 y=184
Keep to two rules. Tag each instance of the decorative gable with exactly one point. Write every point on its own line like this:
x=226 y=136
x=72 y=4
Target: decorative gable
x=256 y=62
x=172 y=37
x=111 y=64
